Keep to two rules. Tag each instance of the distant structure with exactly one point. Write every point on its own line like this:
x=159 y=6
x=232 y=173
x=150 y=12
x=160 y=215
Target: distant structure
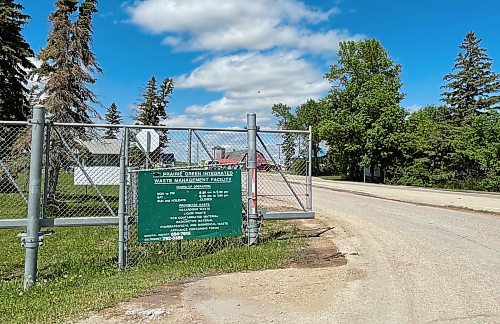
x=218 y=152
x=103 y=152
x=241 y=156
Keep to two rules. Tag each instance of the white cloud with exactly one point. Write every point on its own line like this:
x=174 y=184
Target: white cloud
x=229 y=25
x=253 y=82
x=36 y=83
x=267 y=46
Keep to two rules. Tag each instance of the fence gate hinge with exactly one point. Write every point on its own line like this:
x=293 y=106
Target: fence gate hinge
x=29 y=242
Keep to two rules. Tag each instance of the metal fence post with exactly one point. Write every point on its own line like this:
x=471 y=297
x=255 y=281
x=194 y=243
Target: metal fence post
x=190 y=140
x=148 y=149
x=33 y=218
x=252 y=214
x=309 y=173
x=122 y=204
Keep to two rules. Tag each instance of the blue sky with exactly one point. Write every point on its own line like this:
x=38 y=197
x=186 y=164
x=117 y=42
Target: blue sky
x=231 y=57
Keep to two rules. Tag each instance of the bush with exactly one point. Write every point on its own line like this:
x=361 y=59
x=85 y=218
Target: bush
x=299 y=166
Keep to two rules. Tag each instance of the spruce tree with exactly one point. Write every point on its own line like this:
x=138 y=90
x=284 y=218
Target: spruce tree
x=67 y=67
x=473 y=87
x=152 y=109
x=113 y=117
x=68 y=62
x=14 y=62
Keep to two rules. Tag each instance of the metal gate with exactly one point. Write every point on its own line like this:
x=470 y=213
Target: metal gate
x=84 y=175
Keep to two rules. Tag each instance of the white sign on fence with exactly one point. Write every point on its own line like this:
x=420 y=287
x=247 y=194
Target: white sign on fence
x=142 y=139
x=100 y=175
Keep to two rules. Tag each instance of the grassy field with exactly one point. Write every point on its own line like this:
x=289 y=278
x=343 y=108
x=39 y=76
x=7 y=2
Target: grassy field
x=78 y=272
x=77 y=266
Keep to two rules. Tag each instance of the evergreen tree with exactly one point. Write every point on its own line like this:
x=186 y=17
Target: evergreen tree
x=152 y=110
x=113 y=117
x=473 y=87
x=14 y=62
x=67 y=67
x=68 y=62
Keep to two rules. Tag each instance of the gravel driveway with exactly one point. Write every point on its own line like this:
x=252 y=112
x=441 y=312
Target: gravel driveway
x=407 y=263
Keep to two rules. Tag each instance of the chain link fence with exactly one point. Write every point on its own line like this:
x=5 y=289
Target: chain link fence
x=180 y=149
x=83 y=165
x=282 y=184
x=14 y=167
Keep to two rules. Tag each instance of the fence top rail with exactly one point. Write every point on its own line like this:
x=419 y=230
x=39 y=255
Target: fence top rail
x=282 y=131
x=214 y=129
x=15 y=123
x=210 y=129
x=151 y=127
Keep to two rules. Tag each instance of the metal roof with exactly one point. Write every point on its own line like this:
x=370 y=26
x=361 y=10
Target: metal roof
x=103 y=146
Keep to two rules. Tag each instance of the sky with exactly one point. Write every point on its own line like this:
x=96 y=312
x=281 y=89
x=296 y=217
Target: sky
x=231 y=57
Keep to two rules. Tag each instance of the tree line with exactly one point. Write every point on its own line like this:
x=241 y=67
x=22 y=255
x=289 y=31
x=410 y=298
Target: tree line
x=362 y=125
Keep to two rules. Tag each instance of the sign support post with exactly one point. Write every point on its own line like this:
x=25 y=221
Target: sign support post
x=252 y=214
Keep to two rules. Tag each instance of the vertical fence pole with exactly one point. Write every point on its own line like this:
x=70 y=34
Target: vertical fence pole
x=33 y=224
x=148 y=149
x=190 y=140
x=252 y=215
x=128 y=182
x=121 y=207
x=309 y=173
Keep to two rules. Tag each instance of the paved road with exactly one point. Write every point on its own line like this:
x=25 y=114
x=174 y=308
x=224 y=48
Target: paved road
x=422 y=264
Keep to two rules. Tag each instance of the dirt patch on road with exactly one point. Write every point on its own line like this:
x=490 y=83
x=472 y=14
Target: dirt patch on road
x=320 y=253
x=192 y=301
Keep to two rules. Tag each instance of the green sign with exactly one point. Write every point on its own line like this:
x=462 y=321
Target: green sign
x=188 y=204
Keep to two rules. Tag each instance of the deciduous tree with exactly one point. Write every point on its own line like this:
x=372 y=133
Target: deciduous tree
x=363 y=115
x=285 y=121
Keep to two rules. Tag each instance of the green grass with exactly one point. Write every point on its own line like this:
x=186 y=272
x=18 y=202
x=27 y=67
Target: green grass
x=78 y=275
x=77 y=269
x=72 y=200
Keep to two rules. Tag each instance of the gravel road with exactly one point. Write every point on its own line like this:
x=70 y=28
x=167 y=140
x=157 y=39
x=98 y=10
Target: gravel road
x=422 y=264
x=475 y=201
x=407 y=263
